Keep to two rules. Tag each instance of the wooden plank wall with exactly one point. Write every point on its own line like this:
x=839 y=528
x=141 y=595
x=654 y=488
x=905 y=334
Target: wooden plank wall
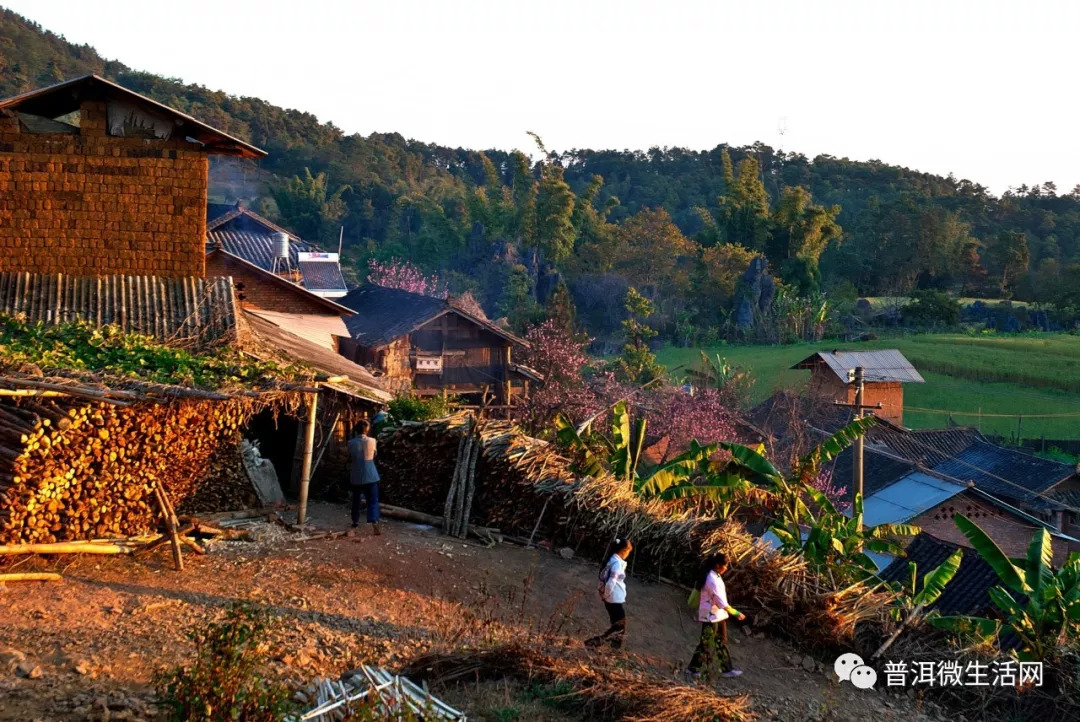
x=174 y=310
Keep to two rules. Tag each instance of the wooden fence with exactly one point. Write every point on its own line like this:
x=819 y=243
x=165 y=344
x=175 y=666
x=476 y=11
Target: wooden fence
x=184 y=311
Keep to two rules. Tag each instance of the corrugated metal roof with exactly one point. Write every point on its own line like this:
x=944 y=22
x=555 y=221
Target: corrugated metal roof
x=883 y=365
x=278 y=341
x=905 y=499
x=254 y=247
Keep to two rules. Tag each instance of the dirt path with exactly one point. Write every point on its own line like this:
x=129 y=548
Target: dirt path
x=96 y=638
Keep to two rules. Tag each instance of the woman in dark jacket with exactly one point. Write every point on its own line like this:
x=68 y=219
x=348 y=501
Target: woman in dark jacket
x=363 y=476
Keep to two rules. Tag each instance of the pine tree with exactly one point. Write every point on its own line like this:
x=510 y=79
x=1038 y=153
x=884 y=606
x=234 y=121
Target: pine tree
x=637 y=364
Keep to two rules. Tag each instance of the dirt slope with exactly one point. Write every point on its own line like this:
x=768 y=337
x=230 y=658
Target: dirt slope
x=97 y=637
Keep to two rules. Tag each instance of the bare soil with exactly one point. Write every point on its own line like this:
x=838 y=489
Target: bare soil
x=87 y=647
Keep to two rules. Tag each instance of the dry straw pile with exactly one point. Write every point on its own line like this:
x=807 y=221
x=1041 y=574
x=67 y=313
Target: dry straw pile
x=525 y=487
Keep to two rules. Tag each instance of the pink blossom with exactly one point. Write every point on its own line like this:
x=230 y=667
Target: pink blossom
x=404 y=276
x=838 y=495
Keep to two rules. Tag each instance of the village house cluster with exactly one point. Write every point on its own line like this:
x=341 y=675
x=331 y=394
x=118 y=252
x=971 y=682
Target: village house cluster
x=105 y=216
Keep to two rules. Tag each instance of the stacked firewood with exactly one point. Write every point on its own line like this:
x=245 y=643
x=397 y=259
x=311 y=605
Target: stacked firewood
x=504 y=487
x=72 y=470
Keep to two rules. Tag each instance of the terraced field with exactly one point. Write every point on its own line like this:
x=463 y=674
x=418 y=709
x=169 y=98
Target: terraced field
x=996 y=382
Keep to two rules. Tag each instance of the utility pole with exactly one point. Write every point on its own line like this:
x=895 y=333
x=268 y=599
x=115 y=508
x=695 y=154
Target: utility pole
x=860 y=447
x=858 y=377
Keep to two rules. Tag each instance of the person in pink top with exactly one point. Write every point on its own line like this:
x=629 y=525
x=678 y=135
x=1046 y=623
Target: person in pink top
x=713 y=613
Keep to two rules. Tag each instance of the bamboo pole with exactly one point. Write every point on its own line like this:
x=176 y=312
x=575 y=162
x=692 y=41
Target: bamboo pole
x=30 y=577
x=305 y=467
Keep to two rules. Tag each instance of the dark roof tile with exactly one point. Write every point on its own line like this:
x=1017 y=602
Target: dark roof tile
x=965 y=594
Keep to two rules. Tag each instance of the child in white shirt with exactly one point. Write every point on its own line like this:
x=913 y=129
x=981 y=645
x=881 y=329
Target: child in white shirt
x=713 y=613
x=612 y=590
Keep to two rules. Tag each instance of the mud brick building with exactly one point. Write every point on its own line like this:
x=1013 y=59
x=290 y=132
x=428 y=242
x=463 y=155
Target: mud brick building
x=97 y=180
x=885 y=373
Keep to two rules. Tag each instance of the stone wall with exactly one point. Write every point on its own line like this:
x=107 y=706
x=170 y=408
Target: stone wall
x=259 y=292
x=92 y=204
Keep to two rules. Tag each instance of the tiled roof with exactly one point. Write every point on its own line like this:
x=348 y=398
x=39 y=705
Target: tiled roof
x=384 y=314
x=322 y=276
x=884 y=365
x=924 y=446
x=1003 y=472
x=879 y=470
x=216 y=210
x=193 y=310
x=966 y=593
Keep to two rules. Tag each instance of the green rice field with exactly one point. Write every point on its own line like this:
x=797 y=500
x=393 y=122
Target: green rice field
x=994 y=382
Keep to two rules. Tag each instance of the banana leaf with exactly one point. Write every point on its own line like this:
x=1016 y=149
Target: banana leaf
x=1040 y=561
x=983 y=628
x=751 y=462
x=937 y=579
x=670 y=480
x=1007 y=572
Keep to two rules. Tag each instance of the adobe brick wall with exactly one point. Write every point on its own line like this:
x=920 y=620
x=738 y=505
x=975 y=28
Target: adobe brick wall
x=94 y=205
x=1010 y=533
x=890 y=394
x=260 y=292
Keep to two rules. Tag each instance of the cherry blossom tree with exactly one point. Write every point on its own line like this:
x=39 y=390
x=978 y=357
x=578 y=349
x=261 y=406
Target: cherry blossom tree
x=406 y=277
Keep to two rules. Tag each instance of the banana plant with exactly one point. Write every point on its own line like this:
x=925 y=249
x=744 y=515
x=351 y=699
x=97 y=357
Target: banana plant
x=806 y=521
x=715 y=372
x=1038 y=604
x=911 y=600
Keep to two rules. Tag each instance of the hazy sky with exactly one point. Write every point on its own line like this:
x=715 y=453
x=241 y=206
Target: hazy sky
x=985 y=90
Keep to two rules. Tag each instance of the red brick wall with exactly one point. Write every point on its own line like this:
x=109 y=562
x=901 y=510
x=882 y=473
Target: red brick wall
x=259 y=291
x=94 y=205
x=1010 y=533
x=890 y=394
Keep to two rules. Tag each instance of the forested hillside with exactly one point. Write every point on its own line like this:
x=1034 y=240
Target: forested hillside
x=681 y=226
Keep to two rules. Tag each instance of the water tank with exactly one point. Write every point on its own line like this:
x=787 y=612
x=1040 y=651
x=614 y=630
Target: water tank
x=281 y=245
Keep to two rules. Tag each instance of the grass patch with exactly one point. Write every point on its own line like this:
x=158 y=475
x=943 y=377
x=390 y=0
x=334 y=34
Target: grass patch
x=973 y=378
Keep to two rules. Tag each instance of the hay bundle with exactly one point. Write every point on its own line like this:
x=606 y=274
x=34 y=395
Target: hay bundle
x=602 y=690
x=525 y=484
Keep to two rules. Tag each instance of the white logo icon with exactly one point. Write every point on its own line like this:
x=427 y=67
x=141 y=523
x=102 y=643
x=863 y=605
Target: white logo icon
x=863 y=677
x=845 y=664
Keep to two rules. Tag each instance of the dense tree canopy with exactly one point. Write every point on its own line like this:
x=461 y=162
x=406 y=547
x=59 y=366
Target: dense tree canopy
x=681 y=226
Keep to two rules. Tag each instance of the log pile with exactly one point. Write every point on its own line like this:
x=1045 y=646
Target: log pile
x=72 y=469
x=524 y=486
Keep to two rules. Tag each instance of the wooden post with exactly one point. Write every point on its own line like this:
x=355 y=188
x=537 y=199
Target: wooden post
x=305 y=467
x=507 y=385
x=170 y=526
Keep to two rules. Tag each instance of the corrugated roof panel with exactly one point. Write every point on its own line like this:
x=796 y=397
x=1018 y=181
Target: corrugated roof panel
x=904 y=500
x=882 y=365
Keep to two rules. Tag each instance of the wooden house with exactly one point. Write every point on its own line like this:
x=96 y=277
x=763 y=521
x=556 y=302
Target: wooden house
x=885 y=373
x=96 y=180
x=431 y=346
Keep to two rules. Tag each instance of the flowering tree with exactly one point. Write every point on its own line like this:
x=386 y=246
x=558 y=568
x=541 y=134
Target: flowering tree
x=682 y=417
x=560 y=357
x=404 y=276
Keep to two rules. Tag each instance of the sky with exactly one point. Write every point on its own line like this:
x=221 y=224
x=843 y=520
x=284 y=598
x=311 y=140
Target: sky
x=984 y=90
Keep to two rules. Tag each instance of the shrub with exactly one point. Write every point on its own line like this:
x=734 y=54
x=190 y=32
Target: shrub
x=931 y=309
x=410 y=407
x=226 y=680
